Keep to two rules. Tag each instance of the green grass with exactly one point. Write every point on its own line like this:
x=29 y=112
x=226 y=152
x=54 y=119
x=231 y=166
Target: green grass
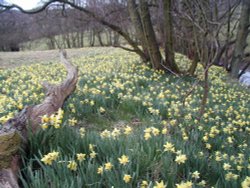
x=115 y=91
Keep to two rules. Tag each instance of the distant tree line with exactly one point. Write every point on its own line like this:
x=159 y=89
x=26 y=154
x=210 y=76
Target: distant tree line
x=61 y=26
x=207 y=31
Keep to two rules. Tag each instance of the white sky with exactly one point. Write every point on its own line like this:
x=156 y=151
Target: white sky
x=26 y=4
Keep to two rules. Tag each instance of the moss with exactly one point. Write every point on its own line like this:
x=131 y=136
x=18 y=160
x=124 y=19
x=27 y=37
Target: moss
x=9 y=145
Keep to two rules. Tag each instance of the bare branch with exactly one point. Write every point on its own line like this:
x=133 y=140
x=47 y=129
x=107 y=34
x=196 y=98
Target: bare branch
x=123 y=47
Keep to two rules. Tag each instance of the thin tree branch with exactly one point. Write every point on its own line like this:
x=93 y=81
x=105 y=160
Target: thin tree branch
x=123 y=47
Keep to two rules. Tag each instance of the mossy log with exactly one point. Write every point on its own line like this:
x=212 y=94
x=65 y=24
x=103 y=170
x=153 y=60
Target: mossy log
x=13 y=134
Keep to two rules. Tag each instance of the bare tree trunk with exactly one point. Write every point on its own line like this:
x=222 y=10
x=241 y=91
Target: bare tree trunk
x=68 y=40
x=51 y=42
x=73 y=40
x=240 y=45
x=110 y=37
x=135 y=18
x=194 y=65
x=108 y=33
x=100 y=38
x=116 y=39
x=64 y=44
x=226 y=61
x=153 y=49
x=82 y=39
x=92 y=38
x=78 y=37
x=205 y=93
x=169 y=38
x=13 y=133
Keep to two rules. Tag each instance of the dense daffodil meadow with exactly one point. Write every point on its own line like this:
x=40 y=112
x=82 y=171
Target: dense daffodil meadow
x=160 y=143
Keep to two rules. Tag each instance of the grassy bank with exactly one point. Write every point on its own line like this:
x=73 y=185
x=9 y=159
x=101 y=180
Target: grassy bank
x=128 y=126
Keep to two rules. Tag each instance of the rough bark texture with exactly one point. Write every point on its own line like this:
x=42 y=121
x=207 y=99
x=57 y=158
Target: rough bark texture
x=241 y=38
x=193 y=66
x=153 y=49
x=136 y=20
x=205 y=93
x=13 y=133
x=169 y=42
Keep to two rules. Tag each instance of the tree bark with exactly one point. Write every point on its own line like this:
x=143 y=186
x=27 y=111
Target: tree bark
x=68 y=40
x=82 y=39
x=92 y=38
x=74 y=39
x=153 y=49
x=205 y=93
x=240 y=45
x=194 y=65
x=169 y=38
x=51 y=42
x=116 y=39
x=136 y=21
x=13 y=134
x=100 y=38
x=109 y=37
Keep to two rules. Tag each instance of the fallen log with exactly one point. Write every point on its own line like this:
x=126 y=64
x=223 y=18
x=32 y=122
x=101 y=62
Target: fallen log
x=13 y=134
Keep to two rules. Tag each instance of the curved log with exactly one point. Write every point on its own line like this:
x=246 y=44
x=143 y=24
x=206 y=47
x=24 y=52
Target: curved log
x=13 y=134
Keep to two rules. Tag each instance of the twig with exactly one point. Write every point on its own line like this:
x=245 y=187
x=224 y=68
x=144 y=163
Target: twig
x=124 y=48
x=190 y=91
x=168 y=69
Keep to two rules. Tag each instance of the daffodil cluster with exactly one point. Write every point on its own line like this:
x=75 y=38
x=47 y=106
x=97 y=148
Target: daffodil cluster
x=170 y=145
x=54 y=120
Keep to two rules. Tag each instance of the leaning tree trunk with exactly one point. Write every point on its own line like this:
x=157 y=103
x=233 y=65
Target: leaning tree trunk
x=241 y=38
x=153 y=48
x=13 y=134
x=100 y=38
x=136 y=21
x=92 y=38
